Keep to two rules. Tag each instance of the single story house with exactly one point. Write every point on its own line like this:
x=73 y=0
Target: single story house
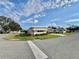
x=37 y=30
x=60 y=30
x=51 y=29
x=56 y=30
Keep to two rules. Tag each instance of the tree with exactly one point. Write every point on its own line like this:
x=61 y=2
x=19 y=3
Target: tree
x=14 y=26
x=73 y=28
x=8 y=24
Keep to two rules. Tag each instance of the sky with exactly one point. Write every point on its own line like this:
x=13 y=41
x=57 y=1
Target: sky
x=41 y=12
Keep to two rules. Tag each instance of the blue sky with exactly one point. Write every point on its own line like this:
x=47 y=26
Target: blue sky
x=41 y=12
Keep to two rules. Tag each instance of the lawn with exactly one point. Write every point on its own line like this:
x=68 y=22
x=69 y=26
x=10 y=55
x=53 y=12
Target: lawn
x=24 y=37
x=70 y=33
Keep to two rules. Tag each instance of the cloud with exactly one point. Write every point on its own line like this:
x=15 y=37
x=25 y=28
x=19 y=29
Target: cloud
x=36 y=6
x=72 y=20
x=30 y=21
x=31 y=7
x=10 y=10
x=36 y=16
x=35 y=21
x=53 y=24
x=39 y=15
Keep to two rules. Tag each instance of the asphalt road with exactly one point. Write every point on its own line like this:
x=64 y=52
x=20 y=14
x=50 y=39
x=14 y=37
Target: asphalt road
x=56 y=48
x=14 y=49
x=60 y=48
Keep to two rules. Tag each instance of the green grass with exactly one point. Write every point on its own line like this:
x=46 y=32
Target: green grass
x=24 y=37
x=69 y=33
x=41 y=37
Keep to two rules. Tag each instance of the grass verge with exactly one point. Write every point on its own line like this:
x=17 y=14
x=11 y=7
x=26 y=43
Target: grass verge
x=24 y=37
x=69 y=33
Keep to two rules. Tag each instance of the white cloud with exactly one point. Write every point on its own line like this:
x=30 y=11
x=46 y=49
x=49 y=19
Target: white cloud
x=7 y=4
x=32 y=7
x=35 y=21
x=30 y=20
x=53 y=24
x=39 y=15
x=10 y=10
x=36 y=6
x=36 y=16
x=73 y=20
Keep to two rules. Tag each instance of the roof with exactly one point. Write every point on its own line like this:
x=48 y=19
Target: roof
x=39 y=27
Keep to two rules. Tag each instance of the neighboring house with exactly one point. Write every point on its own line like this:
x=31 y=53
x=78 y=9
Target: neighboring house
x=37 y=30
x=72 y=28
x=56 y=30
x=51 y=29
x=60 y=30
x=15 y=32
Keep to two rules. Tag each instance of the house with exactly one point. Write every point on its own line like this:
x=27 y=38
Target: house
x=72 y=28
x=51 y=29
x=60 y=30
x=37 y=30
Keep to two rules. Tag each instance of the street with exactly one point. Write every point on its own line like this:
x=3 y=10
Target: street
x=57 y=48
x=14 y=49
x=39 y=29
x=60 y=48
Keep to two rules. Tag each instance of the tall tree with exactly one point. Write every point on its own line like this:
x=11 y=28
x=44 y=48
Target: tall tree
x=14 y=26
x=8 y=24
